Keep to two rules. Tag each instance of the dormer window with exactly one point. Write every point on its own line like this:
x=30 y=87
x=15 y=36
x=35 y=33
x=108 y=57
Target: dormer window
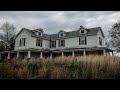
x=39 y=33
x=61 y=34
x=82 y=31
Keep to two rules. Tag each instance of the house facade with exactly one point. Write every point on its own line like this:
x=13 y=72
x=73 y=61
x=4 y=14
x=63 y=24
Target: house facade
x=37 y=44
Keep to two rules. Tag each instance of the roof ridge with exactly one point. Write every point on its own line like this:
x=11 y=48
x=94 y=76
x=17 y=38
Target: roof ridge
x=94 y=27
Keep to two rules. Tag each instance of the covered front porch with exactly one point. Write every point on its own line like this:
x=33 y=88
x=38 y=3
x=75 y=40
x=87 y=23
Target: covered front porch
x=35 y=53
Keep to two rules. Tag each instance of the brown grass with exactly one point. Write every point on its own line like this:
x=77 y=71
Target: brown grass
x=89 y=67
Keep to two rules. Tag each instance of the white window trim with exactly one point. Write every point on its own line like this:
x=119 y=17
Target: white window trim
x=22 y=42
x=62 y=44
x=82 y=38
x=53 y=44
x=38 y=33
x=40 y=42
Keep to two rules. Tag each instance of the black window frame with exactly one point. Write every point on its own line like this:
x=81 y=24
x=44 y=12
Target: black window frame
x=22 y=42
x=53 y=43
x=100 y=41
x=62 y=43
x=83 y=31
x=80 y=41
x=39 y=42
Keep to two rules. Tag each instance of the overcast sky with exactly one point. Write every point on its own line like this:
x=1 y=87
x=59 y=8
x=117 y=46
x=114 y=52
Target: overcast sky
x=54 y=21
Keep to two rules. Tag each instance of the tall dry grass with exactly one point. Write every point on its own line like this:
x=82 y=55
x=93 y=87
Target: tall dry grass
x=89 y=67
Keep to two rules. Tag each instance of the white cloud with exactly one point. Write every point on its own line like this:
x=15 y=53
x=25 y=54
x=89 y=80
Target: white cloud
x=53 y=21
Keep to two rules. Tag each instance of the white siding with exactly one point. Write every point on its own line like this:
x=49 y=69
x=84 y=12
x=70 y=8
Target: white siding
x=30 y=42
x=99 y=34
x=92 y=41
x=74 y=42
x=45 y=45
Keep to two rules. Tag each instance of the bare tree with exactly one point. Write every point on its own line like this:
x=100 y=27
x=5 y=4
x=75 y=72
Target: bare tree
x=114 y=34
x=2 y=44
x=9 y=33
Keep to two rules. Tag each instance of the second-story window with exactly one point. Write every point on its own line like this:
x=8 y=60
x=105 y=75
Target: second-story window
x=22 y=42
x=82 y=41
x=53 y=44
x=100 y=41
x=39 y=42
x=61 y=43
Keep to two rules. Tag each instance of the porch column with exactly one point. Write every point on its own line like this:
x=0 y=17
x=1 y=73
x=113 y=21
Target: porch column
x=73 y=54
x=51 y=55
x=62 y=54
x=112 y=53
x=104 y=52
x=0 y=57
x=41 y=54
x=8 y=57
x=18 y=55
x=109 y=53
x=84 y=53
x=29 y=54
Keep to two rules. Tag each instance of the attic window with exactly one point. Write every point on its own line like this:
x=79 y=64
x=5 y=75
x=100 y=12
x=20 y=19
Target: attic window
x=61 y=34
x=39 y=33
x=82 y=31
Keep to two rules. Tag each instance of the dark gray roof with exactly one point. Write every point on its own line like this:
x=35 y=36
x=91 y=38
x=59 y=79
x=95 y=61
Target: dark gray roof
x=32 y=32
x=93 y=30
x=90 y=31
x=54 y=36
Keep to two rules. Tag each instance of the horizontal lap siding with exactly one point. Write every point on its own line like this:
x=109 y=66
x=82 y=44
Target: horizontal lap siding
x=30 y=41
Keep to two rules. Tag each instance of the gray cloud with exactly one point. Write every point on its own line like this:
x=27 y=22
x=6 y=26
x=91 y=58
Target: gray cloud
x=53 y=21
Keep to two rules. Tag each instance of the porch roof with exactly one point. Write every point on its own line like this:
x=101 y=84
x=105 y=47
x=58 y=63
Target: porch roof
x=58 y=50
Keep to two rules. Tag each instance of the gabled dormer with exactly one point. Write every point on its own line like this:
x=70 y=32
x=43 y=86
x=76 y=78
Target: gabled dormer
x=62 y=33
x=82 y=30
x=39 y=32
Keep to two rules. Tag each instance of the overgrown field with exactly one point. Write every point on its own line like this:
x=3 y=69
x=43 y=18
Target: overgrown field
x=89 y=67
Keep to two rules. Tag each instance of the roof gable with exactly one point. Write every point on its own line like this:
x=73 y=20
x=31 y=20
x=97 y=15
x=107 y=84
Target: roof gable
x=102 y=32
x=23 y=29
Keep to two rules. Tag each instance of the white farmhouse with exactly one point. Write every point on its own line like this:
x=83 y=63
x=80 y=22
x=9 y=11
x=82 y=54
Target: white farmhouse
x=37 y=44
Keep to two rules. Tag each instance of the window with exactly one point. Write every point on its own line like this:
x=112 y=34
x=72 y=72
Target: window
x=82 y=31
x=100 y=41
x=22 y=42
x=53 y=44
x=39 y=42
x=61 y=43
x=61 y=34
x=82 y=41
x=39 y=33
x=23 y=39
